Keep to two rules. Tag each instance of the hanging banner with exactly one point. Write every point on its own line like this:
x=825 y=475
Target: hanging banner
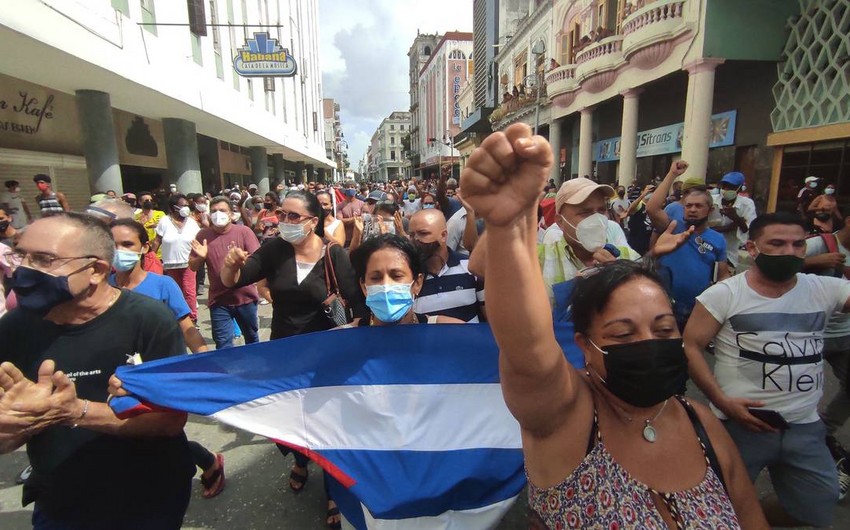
x=668 y=139
x=262 y=56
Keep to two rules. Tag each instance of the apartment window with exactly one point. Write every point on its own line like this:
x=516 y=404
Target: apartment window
x=392 y=127
x=401 y=127
x=122 y=6
x=197 y=54
x=197 y=17
x=148 y=15
x=216 y=36
x=250 y=89
x=392 y=140
x=231 y=33
x=392 y=155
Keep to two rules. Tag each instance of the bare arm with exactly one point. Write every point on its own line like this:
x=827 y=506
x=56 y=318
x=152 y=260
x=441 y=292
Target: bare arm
x=231 y=270
x=655 y=206
x=338 y=234
x=478 y=257
x=502 y=181
x=63 y=201
x=723 y=270
x=156 y=243
x=192 y=336
x=470 y=231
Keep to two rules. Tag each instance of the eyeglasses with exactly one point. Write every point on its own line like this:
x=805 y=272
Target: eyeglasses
x=292 y=217
x=38 y=260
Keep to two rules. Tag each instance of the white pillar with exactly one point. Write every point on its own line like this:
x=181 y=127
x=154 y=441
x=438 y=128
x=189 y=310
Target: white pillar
x=585 y=143
x=555 y=142
x=698 y=115
x=628 y=137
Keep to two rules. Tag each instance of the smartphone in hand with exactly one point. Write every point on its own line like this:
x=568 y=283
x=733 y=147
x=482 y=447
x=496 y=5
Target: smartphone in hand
x=770 y=417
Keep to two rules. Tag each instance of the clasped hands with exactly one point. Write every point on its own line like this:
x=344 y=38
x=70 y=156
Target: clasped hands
x=28 y=407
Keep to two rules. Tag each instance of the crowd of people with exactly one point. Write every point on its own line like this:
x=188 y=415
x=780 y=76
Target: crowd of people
x=655 y=280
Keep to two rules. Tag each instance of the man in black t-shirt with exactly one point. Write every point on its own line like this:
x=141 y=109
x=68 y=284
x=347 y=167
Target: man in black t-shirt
x=68 y=335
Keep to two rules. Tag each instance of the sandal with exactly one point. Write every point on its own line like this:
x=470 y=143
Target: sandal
x=297 y=481
x=214 y=484
x=334 y=513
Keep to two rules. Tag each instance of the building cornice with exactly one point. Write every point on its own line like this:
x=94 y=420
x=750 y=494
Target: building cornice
x=525 y=27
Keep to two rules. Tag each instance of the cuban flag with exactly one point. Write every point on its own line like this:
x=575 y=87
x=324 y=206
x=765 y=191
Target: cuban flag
x=409 y=421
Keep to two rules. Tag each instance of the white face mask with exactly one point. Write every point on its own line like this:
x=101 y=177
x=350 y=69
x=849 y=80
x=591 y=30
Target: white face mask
x=293 y=233
x=184 y=211
x=591 y=232
x=219 y=219
x=829 y=191
x=201 y=207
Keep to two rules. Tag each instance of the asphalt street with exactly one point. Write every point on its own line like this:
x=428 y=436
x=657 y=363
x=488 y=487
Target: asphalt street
x=257 y=495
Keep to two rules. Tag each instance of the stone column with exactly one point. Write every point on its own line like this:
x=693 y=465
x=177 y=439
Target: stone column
x=299 y=173
x=99 y=146
x=698 y=115
x=279 y=168
x=628 y=137
x=310 y=175
x=320 y=175
x=181 y=154
x=555 y=142
x=260 y=169
x=585 y=143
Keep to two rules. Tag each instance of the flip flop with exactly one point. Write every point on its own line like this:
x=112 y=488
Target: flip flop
x=298 y=479
x=334 y=512
x=214 y=484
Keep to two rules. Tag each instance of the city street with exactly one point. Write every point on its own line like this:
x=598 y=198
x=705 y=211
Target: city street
x=257 y=495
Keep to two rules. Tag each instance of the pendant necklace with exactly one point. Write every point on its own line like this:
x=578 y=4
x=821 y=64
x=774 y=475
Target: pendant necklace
x=649 y=433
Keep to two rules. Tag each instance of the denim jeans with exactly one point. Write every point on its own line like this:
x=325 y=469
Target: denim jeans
x=222 y=323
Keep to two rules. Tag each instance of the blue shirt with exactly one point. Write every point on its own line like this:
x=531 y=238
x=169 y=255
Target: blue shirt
x=690 y=269
x=164 y=289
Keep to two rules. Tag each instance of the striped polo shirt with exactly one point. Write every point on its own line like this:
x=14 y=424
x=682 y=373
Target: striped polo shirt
x=453 y=292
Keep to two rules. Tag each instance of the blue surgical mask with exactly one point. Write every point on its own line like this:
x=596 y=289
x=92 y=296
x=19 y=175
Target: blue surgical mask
x=389 y=302
x=428 y=206
x=293 y=233
x=124 y=260
x=38 y=291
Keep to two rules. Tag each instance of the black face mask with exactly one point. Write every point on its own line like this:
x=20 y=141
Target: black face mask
x=328 y=211
x=4 y=225
x=267 y=205
x=40 y=292
x=779 y=268
x=647 y=372
x=428 y=249
x=621 y=194
x=147 y=205
x=822 y=216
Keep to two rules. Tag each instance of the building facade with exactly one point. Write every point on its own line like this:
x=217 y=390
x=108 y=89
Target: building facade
x=418 y=55
x=336 y=148
x=629 y=86
x=439 y=115
x=389 y=147
x=135 y=95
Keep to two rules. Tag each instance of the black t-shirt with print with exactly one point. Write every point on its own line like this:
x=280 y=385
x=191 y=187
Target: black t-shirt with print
x=78 y=473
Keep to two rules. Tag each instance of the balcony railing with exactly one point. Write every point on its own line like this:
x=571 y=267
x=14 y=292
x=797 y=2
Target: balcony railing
x=568 y=71
x=608 y=46
x=659 y=11
x=523 y=101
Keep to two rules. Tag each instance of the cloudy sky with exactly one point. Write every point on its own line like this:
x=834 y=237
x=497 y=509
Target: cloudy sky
x=364 y=60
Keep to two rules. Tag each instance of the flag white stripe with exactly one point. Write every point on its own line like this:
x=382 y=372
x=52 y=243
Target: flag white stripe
x=483 y=518
x=383 y=417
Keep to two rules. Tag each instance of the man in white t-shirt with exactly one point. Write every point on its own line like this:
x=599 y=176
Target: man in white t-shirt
x=768 y=327
x=732 y=214
x=620 y=205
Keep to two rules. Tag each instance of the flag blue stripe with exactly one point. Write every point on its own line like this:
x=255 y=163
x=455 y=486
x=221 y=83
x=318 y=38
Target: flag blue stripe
x=424 y=483
x=210 y=382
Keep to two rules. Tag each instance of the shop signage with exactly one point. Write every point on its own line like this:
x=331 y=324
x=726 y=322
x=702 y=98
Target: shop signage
x=25 y=113
x=668 y=139
x=456 y=94
x=262 y=56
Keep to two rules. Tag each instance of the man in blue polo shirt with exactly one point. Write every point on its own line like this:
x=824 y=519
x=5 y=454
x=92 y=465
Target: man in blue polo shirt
x=698 y=263
x=449 y=288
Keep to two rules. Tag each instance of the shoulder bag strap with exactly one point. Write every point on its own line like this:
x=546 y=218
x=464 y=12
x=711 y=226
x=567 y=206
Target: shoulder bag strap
x=704 y=440
x=330 y=273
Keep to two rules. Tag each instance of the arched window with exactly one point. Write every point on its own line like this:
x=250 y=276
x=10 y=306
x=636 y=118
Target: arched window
x=457 y=54
x=427 y=50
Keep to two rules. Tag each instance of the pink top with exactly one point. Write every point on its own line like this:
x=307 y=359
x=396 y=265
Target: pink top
x=218 y=245
x=601 y=494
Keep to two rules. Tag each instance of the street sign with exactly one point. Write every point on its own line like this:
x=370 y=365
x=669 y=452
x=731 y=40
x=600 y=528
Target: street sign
x=262 y=56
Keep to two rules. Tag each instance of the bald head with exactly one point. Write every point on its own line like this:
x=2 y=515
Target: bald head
x=70 y=234
x=432 y=218
x=108 y=210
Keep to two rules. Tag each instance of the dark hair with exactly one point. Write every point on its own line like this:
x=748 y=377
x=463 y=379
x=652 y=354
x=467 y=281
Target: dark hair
x=777 y=218
x=174 y=199
x=135 y=225
x=274 y=197
x=386 y=206
x=12 y=183
x=143 y=193
x=220 y=199
x=592 y=293
x=324 y=191
x=311 y=204
x=360 y=257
